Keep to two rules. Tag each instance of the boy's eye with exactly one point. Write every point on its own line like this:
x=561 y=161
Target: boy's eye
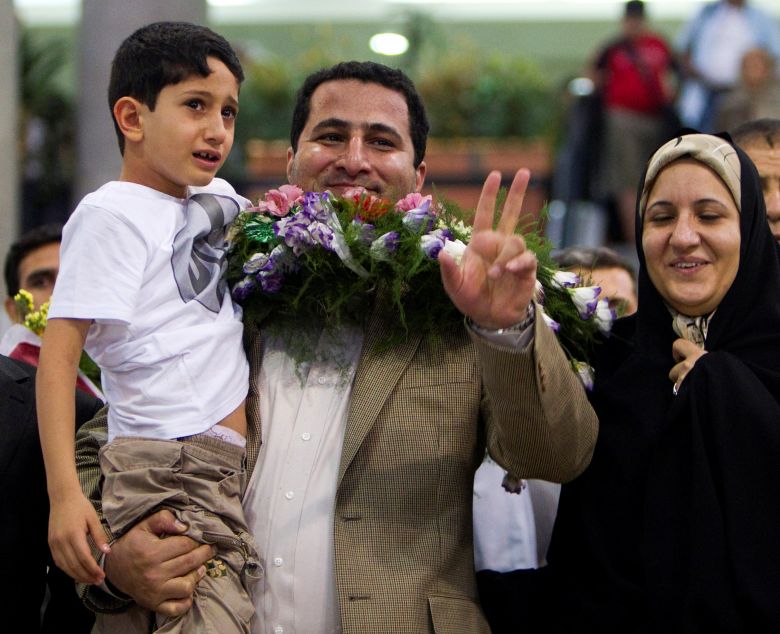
x=195 y=104
x=229 y=113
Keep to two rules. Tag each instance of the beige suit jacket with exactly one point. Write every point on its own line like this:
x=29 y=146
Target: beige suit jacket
x=420 y=417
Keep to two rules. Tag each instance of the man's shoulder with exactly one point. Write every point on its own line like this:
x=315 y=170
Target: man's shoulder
x=15 y=371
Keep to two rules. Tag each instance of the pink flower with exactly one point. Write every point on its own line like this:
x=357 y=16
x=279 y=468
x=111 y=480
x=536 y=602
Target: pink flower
x=415 y=200
x=278 y=202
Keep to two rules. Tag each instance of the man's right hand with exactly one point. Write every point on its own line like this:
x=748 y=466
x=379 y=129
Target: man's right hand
x=158 y=567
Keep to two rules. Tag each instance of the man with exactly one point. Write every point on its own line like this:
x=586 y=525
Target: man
x=756 y=97
x=605 y=268
x=32 y=264
x=712 y=45
x=632 y=74
x=24 y=507
x=761 y=140
x=360 y=498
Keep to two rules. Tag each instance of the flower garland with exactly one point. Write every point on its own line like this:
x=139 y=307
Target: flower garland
x=318 y=258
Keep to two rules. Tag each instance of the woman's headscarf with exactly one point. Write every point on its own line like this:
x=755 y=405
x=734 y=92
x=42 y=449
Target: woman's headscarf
x=674 y=525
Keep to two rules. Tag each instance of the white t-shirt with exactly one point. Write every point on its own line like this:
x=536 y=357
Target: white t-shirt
x=147 y=268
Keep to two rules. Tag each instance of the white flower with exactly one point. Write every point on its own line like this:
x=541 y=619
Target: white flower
x=553 y=325
x=584 y=298
x=585 y=374
x=539 y=292
x=565 y=279
x=604 y=316
x=455 y=248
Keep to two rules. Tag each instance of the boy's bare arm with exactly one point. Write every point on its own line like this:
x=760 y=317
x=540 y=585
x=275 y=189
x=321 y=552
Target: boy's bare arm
x=72 y=517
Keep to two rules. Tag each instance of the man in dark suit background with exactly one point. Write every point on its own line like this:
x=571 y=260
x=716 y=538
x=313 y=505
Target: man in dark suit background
x=28 y=573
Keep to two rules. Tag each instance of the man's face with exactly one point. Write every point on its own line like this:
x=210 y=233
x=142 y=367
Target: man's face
x=37 y=274
x=767 y=161
x=618 y=286
x=357 y=135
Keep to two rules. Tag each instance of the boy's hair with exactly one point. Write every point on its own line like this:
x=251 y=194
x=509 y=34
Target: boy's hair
x=33 y=239
x=757 y=131
x=162 y=54
x=369 y=73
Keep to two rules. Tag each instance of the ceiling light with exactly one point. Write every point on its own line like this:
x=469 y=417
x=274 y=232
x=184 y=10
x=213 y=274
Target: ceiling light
x=389 y=44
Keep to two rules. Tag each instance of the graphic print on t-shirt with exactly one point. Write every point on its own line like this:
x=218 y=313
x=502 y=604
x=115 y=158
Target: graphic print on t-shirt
x=198 y=258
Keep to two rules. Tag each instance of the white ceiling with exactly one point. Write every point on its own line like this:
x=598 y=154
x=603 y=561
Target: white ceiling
x=34 y=12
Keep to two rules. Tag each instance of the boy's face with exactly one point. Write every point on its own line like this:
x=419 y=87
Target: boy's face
x=187 y=137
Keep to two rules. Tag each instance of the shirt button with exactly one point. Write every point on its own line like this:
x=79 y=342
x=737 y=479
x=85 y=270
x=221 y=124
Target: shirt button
x=278 y=630
x=278 y=561
x=306 y=436
x=289 y=495
x=322 y=380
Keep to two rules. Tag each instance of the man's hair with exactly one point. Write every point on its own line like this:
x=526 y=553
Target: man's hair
x=162 y=54
x=369 y=73
x=33 y=239
x=752 y=132
x=634 y=9
x=592 y=258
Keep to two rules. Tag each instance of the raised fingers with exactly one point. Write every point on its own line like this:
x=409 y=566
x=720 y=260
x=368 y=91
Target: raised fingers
x=514 y=202
x=483 y=220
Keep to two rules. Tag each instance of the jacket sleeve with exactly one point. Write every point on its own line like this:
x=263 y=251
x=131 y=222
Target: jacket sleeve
x=539 y=421
x=90 y=437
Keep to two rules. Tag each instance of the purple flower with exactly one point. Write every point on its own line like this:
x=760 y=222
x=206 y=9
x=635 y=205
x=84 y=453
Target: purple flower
x=585 y=299
x=271 y=281
x=322 y=234
x=255 y=263
x=365 y=232
x=604 y=316
x=431 y=244
x=585 y=373
x=554 y=325
x=565 y=279
x=420 y=219
x=385 y=245
x=243 y=289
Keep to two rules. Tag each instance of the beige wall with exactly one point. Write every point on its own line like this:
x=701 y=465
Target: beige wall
x=9 y=159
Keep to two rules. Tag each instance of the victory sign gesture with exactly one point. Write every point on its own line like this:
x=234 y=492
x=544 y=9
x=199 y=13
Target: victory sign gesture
x=494 y=282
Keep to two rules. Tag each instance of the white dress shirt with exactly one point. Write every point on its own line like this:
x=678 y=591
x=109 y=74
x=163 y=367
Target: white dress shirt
x=290 y=499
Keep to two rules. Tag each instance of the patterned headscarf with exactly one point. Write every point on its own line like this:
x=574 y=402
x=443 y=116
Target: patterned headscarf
x=716 y=153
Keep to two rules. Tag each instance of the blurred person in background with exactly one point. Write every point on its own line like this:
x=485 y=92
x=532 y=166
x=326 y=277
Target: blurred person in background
x=761 y=141
x=632 y=73
x=756 y=97
x=712 y=44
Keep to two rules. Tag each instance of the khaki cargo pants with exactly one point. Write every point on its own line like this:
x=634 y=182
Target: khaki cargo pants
x=201 y=480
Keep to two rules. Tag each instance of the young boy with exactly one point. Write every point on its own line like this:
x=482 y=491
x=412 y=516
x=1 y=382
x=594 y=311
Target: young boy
x=140 y=286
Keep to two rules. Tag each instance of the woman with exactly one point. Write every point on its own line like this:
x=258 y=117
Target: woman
x=673 y=527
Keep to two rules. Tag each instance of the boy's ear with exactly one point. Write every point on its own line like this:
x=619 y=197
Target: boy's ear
x=127 y=114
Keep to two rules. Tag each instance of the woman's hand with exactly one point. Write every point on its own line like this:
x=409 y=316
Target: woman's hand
x=686 y=354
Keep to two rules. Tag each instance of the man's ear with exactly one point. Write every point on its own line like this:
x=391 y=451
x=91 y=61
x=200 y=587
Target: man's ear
x=11 y=310
x=290 y=157
x=127 y=114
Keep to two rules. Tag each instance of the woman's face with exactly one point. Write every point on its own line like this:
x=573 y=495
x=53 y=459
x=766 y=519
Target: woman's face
x=690 y=237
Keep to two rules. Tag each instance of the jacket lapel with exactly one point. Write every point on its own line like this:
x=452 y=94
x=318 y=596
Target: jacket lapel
x=376 y=377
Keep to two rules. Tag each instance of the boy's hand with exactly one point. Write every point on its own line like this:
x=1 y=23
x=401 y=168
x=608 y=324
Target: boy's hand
x=71 y=519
